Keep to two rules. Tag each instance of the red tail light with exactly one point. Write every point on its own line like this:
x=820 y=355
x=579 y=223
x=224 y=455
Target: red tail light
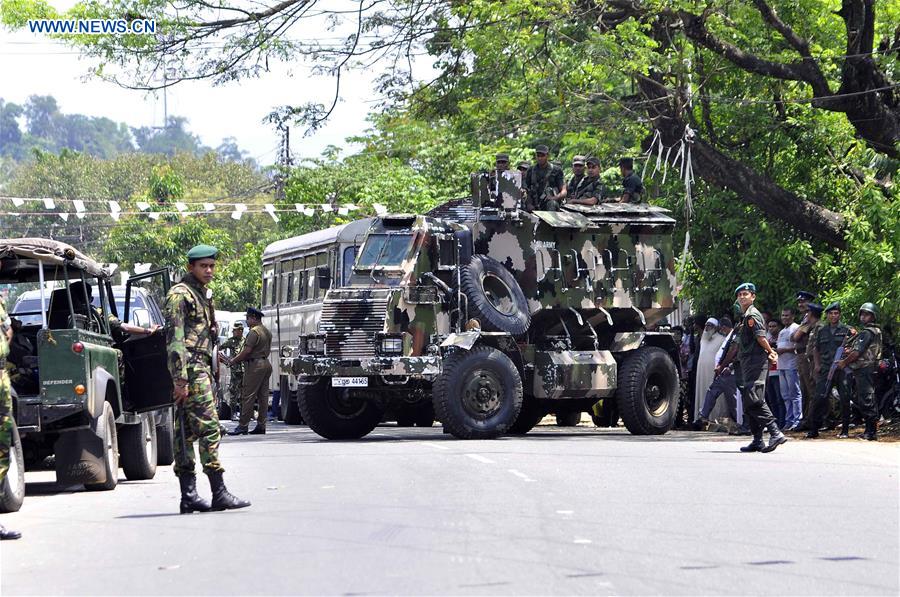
x=78 y=347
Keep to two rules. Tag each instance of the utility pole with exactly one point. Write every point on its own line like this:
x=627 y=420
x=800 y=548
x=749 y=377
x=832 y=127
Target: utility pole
x=285 y=161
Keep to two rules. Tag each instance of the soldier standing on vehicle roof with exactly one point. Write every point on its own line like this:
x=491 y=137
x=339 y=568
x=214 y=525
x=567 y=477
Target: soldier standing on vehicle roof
x=523 y=168
x=865 y=350
x=544 y=182
x=590 y=190
x=255 y=353
x=632 y=186
x=190 y=337
x=6 y=414
x=234 y=345
x=829 y=338
x=754 y=355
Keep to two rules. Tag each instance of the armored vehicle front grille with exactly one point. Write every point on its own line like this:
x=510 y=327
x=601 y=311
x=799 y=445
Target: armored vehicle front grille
x=350 y=326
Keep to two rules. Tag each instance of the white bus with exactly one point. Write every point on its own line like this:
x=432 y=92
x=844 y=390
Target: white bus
x=296 y=274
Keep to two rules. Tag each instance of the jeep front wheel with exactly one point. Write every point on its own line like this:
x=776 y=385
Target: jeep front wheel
x=647 y=393
x=337 y=413
x=139 y=449
x=479 y=393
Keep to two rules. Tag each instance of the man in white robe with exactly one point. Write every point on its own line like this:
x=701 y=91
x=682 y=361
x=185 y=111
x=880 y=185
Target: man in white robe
x=710 y=342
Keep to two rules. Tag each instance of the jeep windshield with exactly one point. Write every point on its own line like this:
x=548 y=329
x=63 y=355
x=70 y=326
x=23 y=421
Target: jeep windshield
x=384 y=250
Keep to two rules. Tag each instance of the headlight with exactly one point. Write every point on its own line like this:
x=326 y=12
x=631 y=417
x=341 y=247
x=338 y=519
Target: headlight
x=286 y=351
x=315 y=345
x=391 y=345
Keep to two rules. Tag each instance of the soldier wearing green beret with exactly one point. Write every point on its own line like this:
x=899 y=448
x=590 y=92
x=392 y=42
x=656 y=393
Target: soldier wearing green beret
x=754 y=354
x=190 y=338
x=864 y=352
x=829 y=338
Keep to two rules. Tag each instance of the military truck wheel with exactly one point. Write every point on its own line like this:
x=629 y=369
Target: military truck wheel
x=495 y=297
x=138 y=449
x=568 y=418
x=12 y=490
x=105 y=429
x=479 y=393
x=336 y=413
x=647 y=393
x=165 y=440
x=531 y=414
x=290 y=409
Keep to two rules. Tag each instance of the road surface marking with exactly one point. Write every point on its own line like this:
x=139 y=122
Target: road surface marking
x=582 y=541
x=433 y=445
x=521 y=475
x=327 y=487
x=566 y=512
x=480 y=458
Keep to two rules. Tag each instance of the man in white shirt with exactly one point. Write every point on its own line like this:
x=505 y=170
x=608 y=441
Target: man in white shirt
x=710 y=342
x=788 y=376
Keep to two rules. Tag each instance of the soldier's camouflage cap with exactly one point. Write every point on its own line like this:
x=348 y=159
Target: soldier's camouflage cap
x=835 y=306
x=746 y=286
x=815 y=308
x=202 y=252
x=254 y=312
x=805 y=295
x=578 y=159
x=541 y=149
x=524 y=165
x=502 y=157
x=592 y=161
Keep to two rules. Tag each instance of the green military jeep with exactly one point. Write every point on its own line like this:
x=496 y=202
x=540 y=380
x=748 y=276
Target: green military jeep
x=80 y=394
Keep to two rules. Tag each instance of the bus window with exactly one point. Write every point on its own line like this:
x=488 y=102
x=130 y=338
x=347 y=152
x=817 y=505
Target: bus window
x=298 y=279
x=287 y=279
x=311 y=277
x=321 y=262
x=347 y=265
x=268 y=292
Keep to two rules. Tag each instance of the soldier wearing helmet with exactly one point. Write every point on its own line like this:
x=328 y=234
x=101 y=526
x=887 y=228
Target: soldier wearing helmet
x=864 y=352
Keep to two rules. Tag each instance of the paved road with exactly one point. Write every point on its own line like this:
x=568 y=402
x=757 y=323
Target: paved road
x=411 y=511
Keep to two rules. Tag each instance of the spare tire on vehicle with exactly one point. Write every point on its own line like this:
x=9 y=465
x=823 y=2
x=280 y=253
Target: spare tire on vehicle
x=494 y=296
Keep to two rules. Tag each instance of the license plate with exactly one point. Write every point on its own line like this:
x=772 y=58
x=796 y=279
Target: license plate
x=349 y=382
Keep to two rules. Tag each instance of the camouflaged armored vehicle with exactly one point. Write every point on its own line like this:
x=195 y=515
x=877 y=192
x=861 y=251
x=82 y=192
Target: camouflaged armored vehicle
x=497 y=316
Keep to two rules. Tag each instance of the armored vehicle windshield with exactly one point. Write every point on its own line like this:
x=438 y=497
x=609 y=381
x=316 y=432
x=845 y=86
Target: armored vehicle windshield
x=384 y=250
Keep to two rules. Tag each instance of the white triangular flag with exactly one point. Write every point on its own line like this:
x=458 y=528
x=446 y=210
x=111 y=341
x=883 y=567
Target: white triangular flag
x=380 y=209
x=326 y=208
x=114 y=207
x=48 y=203
x=143 y=205
x=17 y=201
x=271 y=209
x=343 y=211
x=300 y=207
x=154 y=215
x=308 y=211
x=180 y=206
x=209 y=207
x=64 y=216
x=79 y=208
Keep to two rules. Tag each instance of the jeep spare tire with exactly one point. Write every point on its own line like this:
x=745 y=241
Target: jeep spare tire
x=495 y=298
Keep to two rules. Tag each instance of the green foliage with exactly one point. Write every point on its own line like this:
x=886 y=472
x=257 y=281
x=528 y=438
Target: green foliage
x=165 y=184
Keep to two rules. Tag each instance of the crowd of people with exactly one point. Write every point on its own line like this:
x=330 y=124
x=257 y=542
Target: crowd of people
x=812 y=354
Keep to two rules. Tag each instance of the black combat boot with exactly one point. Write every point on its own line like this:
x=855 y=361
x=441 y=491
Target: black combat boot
x=190 y=501
x=222 y=498
x=7 y=535
x=239 y=430
x=756 y=445
x=776 y=438
x=871 y=433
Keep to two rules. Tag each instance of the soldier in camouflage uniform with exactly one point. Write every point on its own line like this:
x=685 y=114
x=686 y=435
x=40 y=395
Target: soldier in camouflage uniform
x=864 y=352
x=544 y=182
x=828 y=339
x=232 y=347
x=6 y=414
x=589 y=189
x=190 y=336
